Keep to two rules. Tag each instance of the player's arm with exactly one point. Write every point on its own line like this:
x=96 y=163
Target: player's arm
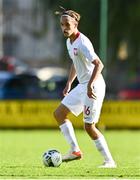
x=71 y=77
x=88 y=51
x=96 y=72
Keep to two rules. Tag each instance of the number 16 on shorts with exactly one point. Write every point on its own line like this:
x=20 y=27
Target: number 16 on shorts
x=87 y=110
x=90 y=114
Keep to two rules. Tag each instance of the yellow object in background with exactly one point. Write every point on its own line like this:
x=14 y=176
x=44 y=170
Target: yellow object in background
x=39 y=114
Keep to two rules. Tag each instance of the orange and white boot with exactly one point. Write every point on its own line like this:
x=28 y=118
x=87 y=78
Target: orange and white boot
x=72 y=155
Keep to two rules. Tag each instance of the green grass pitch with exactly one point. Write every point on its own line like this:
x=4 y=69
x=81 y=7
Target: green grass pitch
x=21 y=155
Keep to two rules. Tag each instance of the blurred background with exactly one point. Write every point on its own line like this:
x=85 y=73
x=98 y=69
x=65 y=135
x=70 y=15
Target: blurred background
x=34 y=63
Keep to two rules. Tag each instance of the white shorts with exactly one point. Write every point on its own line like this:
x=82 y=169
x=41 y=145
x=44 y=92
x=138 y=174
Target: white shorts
x=77 y=101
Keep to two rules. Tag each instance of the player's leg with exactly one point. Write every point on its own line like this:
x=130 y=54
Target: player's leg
x=101 y=145
x=68 y=105
x=91 y=116
x=66 y=127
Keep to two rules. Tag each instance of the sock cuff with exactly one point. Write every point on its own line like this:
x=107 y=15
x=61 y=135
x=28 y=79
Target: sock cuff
x=99 y=139
x=67 y=123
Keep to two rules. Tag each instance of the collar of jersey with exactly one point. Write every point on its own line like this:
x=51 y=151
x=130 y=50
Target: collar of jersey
x=77 y=35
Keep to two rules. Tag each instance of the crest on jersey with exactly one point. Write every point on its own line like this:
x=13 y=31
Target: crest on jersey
x=75 y=51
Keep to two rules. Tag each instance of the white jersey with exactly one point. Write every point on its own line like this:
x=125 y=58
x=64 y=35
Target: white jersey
x=82 y=54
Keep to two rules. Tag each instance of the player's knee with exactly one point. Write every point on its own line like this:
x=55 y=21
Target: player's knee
x=59 y=115
x=56 y=114
x=91 y=130
x=88 y=127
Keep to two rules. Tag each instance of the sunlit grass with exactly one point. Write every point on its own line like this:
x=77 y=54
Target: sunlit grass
x=21 y=155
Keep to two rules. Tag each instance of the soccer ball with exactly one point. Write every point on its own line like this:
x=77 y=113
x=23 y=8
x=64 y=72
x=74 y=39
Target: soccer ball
x=52 y=158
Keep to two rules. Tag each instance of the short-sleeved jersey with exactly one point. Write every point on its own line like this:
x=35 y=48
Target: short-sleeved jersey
x=82 y=53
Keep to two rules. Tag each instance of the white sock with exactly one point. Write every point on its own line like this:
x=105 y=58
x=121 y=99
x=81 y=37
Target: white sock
x=68 y=132
x=103 y=148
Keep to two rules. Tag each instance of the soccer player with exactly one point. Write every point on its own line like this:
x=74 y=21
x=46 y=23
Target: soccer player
x=87 y=96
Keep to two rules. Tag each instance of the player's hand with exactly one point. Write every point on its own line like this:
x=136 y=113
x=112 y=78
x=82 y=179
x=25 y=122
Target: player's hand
x=90 y=92
x=66 y=89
